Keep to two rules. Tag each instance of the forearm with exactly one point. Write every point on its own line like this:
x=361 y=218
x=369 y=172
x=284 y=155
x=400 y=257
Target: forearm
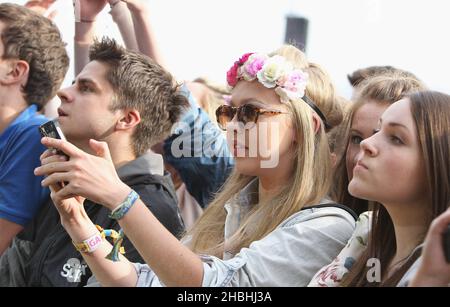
x=144 y=35
x=8 y=230
x=84 y=38
x=107 y=272
x=122 y=17
x=172 y=262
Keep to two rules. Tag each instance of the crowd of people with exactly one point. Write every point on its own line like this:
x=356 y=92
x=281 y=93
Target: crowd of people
x=272 y=179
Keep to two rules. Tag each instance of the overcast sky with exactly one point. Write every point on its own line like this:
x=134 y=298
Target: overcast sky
x=204 y=37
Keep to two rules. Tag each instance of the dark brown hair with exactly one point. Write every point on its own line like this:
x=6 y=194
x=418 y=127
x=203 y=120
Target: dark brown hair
x=385 y=89
x=431 y=114
x=140 y=83
x=30 y=37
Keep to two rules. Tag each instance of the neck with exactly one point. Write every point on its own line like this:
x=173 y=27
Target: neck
x=272 y=182
x=11 y=106
x=269 y=187
x=410 y=224
x=121 y=154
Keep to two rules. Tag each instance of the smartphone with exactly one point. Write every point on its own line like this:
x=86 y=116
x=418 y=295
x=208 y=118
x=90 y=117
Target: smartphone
x=52 y=129
x=446 y=243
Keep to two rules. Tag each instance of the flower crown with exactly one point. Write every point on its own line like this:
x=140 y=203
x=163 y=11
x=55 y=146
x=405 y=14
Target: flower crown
x=273 y=72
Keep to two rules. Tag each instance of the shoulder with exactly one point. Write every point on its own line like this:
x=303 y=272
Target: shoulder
x=26 y=131
x=320 y=215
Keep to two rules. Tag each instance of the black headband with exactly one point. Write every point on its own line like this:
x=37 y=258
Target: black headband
x=317 y=110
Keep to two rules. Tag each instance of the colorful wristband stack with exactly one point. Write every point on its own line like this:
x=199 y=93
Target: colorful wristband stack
x=89 y=245
x=125 y=206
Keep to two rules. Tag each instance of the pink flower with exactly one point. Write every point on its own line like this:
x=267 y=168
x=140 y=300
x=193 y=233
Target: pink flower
x=294 y=81
x=244 y=58
x=232 y=74
x=253 y=65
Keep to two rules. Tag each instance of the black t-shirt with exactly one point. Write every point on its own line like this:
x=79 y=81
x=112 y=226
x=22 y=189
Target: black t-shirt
x=54 y=260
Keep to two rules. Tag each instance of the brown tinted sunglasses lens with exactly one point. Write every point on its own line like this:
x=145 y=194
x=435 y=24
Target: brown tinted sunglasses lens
x=224 y=115
x=248 y=113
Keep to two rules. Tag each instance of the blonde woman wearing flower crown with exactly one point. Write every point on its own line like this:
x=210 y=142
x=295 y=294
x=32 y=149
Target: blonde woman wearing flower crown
x=270 y=225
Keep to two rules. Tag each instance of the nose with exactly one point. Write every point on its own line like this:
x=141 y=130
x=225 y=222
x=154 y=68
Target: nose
x=64 y=95
x=368 y=146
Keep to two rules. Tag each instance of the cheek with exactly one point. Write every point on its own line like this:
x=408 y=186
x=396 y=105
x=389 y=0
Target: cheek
x=276 y=137
x=350 y=156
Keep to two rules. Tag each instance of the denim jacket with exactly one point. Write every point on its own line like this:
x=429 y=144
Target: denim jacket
x=288 y=256
x=198 y=150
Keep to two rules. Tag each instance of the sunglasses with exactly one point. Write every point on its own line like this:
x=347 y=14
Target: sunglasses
x=246 y=113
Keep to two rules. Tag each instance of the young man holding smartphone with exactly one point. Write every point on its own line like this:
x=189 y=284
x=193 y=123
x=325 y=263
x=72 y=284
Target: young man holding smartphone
x=129 y=102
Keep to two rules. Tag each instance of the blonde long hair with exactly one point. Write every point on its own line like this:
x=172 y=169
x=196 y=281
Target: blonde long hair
x=311 y=177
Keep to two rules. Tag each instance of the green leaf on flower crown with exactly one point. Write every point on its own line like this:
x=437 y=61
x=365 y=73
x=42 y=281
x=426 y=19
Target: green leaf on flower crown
x=361 y=240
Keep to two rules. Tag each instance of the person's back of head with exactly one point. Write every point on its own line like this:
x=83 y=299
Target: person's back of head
x=32 y=38
x=357 y=77
x=142 y=84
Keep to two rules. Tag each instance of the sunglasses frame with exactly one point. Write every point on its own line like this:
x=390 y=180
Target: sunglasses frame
x=236 y=111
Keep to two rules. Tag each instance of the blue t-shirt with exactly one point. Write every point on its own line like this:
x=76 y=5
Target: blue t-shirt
x=21 y=193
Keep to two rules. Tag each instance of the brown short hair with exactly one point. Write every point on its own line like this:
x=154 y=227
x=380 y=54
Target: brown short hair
x=30 y=37
x=357 y=77
x=139 y=82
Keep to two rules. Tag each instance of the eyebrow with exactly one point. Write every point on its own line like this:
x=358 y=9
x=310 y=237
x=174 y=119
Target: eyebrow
x=90 y=82
x=251 y=101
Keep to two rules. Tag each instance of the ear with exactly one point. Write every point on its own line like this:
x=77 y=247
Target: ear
x=316 y=122
x=17 y=72
x=129 y=119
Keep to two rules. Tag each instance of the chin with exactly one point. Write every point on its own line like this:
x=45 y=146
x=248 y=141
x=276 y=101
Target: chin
x=357 y=189
x=247 y=166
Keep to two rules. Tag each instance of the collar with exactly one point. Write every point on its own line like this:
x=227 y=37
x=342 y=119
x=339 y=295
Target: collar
x=148 y=163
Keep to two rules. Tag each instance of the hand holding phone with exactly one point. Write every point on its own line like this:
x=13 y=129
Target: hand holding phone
x=52 y=129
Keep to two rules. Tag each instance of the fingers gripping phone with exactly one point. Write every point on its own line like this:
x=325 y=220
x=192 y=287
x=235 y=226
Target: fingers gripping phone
x=52 y=129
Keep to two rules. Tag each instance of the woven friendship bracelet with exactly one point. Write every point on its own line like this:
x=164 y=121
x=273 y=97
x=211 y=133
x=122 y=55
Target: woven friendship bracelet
x=125 y=206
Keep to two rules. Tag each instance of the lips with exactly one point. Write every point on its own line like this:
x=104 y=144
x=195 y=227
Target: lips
x=61 y=113
x=361 y=164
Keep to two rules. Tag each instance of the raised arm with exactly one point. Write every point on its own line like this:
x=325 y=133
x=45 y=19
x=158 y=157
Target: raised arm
x=144 y=31
x=95 y=178
x=86 y=12
x=122 y=17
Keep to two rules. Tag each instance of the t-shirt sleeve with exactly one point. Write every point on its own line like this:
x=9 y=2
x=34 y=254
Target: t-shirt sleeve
x=21 y=193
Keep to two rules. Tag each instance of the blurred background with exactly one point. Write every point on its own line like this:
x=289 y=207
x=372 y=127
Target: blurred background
x=204 y=37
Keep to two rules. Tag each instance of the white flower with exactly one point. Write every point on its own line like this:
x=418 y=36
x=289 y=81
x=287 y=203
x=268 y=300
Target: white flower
x=273 y=69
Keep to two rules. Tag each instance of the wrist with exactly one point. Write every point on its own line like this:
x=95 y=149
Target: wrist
x=79 y=229
x=84 y=32
x=116 y=197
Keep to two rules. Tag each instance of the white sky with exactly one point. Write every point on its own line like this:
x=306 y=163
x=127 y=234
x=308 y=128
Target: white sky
x=203 y=38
